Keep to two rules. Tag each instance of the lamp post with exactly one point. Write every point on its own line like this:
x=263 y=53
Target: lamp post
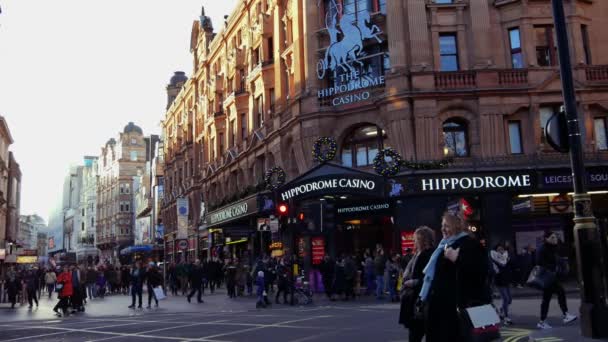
x=589 y=256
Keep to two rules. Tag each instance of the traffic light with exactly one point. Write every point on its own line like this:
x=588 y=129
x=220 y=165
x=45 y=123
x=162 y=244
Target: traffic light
x=282 y=209
x=301 y=216
x=556 y=131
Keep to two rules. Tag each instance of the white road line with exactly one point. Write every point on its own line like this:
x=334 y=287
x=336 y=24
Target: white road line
x=145 y=333
x=275 y=325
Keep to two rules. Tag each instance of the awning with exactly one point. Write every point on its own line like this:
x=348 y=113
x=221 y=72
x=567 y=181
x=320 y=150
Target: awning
x=136 y=249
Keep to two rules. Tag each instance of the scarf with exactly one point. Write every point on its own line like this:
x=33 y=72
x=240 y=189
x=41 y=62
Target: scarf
x=429 y=270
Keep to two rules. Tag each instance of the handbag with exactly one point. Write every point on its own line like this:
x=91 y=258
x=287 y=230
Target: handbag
x=159 y=293
x=58 y=287
x=480 y=323
x=541 y=278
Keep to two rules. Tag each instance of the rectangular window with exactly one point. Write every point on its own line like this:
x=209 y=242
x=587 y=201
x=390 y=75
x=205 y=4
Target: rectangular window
x=232 y=133
x=586 y=46
x=517 y=60
x=133 y=155
x=444 y=1
x=270 y=56
x=259 y=111
x=515 y=137
x=242 y=80
x=448 y=51
x=347 y=157
x=361 y=155
x=545 y=46
x=599 y=125
x=243 y=126
x=221 y=137
x=213 y=148
x=133 y=141
x=272 y=99
x=82 y=226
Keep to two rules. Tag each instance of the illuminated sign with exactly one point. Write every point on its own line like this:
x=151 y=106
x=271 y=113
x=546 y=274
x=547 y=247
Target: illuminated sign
x=27 y=259
x=345 y=58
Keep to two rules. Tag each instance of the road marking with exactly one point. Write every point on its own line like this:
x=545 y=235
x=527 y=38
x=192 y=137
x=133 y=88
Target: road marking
x=275 y=325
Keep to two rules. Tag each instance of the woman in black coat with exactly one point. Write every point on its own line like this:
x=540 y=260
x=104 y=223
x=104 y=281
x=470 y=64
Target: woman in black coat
x=548 y=258
x=424 y=240
x=456 y=277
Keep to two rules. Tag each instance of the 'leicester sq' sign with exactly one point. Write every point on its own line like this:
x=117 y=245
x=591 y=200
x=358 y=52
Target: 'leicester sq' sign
x=343 y=57
x=329 y=184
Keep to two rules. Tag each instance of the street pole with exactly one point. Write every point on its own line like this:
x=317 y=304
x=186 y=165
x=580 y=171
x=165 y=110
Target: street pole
x=589 y=256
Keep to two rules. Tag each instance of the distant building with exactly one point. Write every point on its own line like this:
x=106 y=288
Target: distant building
x=120 y=161
x=29 y=228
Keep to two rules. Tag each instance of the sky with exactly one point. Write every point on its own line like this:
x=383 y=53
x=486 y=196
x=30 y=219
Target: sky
x=73 y=73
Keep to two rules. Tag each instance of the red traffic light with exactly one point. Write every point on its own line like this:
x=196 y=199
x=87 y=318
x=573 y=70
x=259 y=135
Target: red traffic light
x=283 y=209
x=301 y=216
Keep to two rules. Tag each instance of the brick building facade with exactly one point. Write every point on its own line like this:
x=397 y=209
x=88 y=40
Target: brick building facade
x=473 y=80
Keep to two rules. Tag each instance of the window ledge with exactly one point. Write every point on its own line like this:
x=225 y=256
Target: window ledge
x=455 y=4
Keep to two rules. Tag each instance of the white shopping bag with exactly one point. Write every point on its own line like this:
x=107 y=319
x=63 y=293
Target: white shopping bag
x=159 y=293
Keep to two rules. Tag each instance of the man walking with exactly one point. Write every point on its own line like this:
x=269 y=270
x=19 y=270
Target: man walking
x=137 y=284
x=91 y=278
x=379 y=267
x=196 y=280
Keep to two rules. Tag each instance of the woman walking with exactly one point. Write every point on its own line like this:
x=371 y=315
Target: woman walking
x=502 y=279
x=455 y=278
x=154 y=279
x=548 y=258
x=50 y=279
x=64 y=282
x=12 y=286
x=411 y=315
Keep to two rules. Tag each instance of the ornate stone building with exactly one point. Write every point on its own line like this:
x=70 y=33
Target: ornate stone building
x=120 y=160
x=472 y=80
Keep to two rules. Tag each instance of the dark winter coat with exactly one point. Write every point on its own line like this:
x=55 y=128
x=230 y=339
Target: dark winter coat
x=154 y=278
x=410 y=297
x=196 y=276
x=459 y=284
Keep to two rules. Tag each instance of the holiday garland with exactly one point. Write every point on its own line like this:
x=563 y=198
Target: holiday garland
x=321 y=154
x=384 y=167
x=392 y=167
x=280 y=178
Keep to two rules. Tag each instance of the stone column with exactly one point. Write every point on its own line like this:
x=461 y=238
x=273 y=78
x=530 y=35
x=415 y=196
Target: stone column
x=492 y=135
x=395 y=27
x=481 y=32
x=418 y=26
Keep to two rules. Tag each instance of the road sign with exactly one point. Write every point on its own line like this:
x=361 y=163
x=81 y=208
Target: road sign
x=182 y=244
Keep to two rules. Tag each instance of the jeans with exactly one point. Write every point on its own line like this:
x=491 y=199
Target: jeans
x=136 y=291
x=50 y=288
x=370 y=283
x=31 y=296
x=196 y=288
x=505 y=294
x=547 y=294
x=151 y=295
x=392 y=288
x=379 y=286
x=91 y=291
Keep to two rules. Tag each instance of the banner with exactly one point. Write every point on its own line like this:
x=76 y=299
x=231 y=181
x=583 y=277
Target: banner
x=407 y=241
x=318 y=250
x=182 y=218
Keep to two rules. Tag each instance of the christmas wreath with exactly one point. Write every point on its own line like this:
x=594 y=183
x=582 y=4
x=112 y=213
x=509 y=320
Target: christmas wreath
x=388 y=167
x=324 y=149
x=279 y=179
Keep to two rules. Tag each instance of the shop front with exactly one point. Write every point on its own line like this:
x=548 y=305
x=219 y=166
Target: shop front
x=231 y=231
x=334 y=210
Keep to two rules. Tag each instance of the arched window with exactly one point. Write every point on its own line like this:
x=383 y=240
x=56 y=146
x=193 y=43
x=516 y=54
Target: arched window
x=455 y=138
x=361 y=146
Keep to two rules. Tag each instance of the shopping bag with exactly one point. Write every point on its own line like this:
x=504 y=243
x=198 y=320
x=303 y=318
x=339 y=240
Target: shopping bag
x=541 y=278
x=159 y=293
x=480 y=323
x=58 y=287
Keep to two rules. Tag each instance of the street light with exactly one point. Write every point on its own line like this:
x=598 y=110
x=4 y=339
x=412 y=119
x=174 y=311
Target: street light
x=589 y=254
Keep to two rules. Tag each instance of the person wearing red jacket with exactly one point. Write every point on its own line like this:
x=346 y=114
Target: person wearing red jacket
x=64 y=280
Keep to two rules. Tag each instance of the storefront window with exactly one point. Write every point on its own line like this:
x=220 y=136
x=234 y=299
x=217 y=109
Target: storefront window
x=455 y=138
x=364 y=142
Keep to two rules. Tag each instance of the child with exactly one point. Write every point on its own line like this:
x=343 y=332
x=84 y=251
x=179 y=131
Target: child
x=259 y=282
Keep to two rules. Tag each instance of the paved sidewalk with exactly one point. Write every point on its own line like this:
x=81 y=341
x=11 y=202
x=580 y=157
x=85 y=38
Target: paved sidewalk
x=565 y=334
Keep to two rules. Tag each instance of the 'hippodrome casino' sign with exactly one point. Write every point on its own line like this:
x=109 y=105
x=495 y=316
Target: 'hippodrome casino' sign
x=344 y=56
